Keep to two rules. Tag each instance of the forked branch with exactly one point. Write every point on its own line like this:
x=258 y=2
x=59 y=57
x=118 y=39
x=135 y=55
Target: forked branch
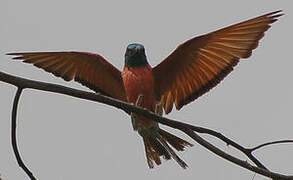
x=186 y=128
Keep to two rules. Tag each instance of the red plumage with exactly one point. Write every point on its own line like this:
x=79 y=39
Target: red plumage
x=139 y=81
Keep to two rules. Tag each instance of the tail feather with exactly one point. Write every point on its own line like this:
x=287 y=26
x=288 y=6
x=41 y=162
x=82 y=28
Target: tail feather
x=176 y=142
x=172 y=153
x=156 y=146
x=150 y=154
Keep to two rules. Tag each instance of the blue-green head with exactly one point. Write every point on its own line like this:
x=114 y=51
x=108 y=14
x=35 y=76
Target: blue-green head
x=135 y=56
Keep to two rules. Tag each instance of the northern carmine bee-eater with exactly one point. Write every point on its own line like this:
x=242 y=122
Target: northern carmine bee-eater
x=191 y=70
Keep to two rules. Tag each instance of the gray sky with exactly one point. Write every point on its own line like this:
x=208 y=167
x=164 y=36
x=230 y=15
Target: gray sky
x=65 y=138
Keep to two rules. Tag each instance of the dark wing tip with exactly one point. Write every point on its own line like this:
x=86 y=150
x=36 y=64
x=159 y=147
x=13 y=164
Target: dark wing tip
x=17 y=55
x=21 y=55
x=12 y=54
x=275 y=13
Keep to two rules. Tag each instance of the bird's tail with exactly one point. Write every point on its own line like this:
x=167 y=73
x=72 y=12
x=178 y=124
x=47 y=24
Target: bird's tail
x=158 y=145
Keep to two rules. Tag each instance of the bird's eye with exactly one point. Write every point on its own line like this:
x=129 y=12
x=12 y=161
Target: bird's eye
x=130 y=52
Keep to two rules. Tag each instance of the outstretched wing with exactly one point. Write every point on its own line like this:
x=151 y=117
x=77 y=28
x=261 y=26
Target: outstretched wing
x=199 y=64
x=91 y=70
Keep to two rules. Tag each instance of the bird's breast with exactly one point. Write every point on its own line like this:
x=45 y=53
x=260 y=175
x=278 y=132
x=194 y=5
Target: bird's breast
x=139 y=81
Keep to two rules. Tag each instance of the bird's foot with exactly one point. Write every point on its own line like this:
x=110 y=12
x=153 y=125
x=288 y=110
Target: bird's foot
x=139 y=100
x=158 y=109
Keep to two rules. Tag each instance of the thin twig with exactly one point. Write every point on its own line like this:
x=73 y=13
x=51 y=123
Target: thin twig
x=270 y=143
x=188 y=129
x=13 y=135
x=230 y=158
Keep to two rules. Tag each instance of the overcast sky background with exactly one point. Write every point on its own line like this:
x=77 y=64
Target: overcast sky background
x=64 y=138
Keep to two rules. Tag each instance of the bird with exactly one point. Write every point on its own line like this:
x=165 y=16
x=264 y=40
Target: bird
x=191 y=70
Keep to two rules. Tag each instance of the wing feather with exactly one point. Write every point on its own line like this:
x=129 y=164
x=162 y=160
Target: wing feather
x=200 y=63
x=91 y=70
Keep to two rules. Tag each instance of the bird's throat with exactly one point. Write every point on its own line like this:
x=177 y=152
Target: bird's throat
x=136 y=61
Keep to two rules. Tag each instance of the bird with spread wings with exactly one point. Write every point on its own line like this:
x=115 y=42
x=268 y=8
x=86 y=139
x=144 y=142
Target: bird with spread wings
x=191 y=70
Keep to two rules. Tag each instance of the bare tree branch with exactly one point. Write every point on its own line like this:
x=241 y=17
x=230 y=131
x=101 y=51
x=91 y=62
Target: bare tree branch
x=270 y=143
x=13 y=135
x=186 y=128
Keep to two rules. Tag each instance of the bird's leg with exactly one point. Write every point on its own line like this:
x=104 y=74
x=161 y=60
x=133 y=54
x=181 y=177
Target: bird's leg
x=158 y=109
x=134 y=116
x=139 y=100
